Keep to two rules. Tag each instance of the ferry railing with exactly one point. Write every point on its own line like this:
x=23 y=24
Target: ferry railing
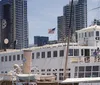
x=87 y=59
x=84 y=59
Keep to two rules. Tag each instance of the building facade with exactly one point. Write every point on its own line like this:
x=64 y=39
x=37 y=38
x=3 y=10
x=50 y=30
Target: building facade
x=78 y=21
x=40 y=40
x=16 y=30
x=61 y=26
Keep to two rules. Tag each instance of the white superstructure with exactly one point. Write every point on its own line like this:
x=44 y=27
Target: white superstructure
x=50 y=59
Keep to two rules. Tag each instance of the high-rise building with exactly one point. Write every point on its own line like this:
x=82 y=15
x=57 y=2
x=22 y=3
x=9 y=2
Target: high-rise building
x=16 y=30
x=78 y=21
x=40 y=40
x=61 y=25
x=96 y=22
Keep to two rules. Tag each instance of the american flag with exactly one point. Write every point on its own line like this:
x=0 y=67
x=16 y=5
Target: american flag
x=51 y=31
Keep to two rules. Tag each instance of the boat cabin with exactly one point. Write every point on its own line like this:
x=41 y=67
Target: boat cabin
x=89 y=36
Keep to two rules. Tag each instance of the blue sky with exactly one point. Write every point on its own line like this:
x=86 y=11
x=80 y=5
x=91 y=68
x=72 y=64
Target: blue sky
x=42 y=15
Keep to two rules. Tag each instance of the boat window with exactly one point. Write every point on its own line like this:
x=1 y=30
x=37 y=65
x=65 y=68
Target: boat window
x=92 y=33
x=99 y=74
x=82 y=53
x=37 y=55
x=55 y=54
x=87 y=52
x=81 y=68
x=76 y=52
x=48 y=54
x=88 y=68
x=61 y=69
x=5 y=58
x=70 y=52
x=95 y=68
x=42 y=70
x=2 y=72
x=88 y=74
x=79 y=35
x=32 y=70
x=43 y=73
x=75 y=75
x=81 y=75
x=89 y=34
x=97 y=33
x=14 y=57
x=48 y=69
x=43 y=54
x=61 y=78
x=76 y=69
x=10 y=58
x=32 y=55
x=61 y=53
x=82 y=35
x=22 y=56
x=5 y=71
x=18 y=57
x=60 y=74
x=85 y=34
x=94 y=74
x=68 y=75
x=2 y=59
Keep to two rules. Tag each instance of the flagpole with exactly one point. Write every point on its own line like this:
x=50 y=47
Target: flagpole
x=67 y=51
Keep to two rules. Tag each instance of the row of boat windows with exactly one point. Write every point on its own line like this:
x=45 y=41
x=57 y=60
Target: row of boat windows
x=72 y=52
x=81 y=52
x=87 y=74
x=87 y=68
x=88 y=34
x=10 y=58
x=49 y=54
x=50 y=70
x=43 y=70
x=87 y=71
x=20 y=57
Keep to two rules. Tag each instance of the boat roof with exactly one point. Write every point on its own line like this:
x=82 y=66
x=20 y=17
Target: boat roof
x=81 y=80
x=91 y=28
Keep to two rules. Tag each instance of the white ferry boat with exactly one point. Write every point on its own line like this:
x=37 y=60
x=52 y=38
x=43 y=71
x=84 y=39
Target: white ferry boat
x=83 y=59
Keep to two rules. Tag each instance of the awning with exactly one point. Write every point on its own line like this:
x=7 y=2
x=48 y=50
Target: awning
x=80 y=80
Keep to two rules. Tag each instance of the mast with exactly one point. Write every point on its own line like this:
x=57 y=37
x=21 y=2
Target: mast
x=69 y=31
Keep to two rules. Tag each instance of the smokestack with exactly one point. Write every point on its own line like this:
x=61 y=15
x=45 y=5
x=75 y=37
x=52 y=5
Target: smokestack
x=27 y=61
